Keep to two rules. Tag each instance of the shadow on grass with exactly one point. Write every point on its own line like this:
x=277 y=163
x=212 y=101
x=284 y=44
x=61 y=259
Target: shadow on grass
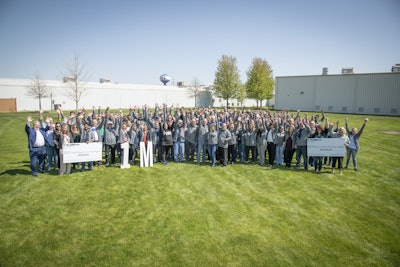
x=326 y=169
x=16 y=172
x=24 y=169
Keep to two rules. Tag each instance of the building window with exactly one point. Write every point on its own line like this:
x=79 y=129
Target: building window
x=317 y=107
x=330 y=108
x=360 y=109
x=344 y=109
x=393 y=111
x=377 y=110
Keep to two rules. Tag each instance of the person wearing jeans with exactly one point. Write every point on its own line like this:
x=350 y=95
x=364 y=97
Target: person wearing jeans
x=212 y=140
x=354 y=145
x=179 y=141
x=202 y=132
x=50 y=148
x=280 y=145
x=303 y=133
x=224 y=137
x=36 y=144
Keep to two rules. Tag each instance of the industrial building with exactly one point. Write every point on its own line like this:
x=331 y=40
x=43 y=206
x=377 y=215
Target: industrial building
x=101 y=94
x=349 y=92
x=13 y=95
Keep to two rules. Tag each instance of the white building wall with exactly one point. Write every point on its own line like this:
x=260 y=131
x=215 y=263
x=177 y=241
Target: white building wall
x=379 y=94
x=294 y=93
x=375 y=93
x=96 y=94
x=105 y=95
x=335 y=95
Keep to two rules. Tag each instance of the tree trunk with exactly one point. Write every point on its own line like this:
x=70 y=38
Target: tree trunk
x=40 y=103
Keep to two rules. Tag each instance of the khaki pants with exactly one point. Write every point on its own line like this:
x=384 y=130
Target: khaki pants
x=65 y=168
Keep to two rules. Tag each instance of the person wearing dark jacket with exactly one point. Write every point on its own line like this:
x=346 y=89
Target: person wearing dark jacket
x=232 y=144
x=133 y=142
x=36 y=144
x=290 y=142
x=271 y=143
x=319 y=133
x=166 y=143
x=50 y=147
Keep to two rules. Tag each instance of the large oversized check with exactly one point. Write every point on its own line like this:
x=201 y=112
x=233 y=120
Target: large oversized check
x=326 y=147
x=82 y=152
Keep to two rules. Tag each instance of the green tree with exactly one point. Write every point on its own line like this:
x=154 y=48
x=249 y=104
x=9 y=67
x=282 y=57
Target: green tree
x=227 y=80
x=241 y=94
x=260 y=81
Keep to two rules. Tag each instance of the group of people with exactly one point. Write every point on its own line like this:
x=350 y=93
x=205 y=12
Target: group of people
x=199 y=135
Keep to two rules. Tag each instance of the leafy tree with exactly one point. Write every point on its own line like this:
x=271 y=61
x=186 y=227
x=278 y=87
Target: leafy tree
x=241 y=94
x=227 y=80
x=260 y=81
x=38 y=89
x=194 y=90
x=75 y=78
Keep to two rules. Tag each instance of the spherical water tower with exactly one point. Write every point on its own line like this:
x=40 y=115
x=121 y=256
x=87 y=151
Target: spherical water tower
x=164 y=78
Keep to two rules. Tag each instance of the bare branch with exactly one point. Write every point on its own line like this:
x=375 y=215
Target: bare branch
x=75 y=79
x=38 y=88
x=194 y=90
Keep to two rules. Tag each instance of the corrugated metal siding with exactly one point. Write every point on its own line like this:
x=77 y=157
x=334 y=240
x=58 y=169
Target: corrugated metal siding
x=335 y=95
x=379 y=94
x=294 y=92
x=375 y=93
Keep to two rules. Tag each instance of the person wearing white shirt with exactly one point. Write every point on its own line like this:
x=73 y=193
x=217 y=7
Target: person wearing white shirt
x=36 y=144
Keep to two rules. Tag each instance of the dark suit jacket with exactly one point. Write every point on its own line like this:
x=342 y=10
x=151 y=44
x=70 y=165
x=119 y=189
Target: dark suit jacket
x=32 y=135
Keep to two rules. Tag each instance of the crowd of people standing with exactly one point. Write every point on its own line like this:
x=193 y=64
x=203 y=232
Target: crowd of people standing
x=199 y=135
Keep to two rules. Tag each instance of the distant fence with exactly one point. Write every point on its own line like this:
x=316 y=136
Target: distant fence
x=8 y=105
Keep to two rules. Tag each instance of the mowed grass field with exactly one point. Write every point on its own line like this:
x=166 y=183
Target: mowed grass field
x=190 y=215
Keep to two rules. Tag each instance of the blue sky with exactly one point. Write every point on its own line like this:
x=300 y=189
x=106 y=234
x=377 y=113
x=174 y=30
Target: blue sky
x=137 y=41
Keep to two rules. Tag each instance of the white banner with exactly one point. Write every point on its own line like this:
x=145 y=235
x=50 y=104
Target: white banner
x=325 y=147
x=82 y=152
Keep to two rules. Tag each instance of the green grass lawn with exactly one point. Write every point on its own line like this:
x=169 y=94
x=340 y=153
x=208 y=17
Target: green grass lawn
x=190 y=215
